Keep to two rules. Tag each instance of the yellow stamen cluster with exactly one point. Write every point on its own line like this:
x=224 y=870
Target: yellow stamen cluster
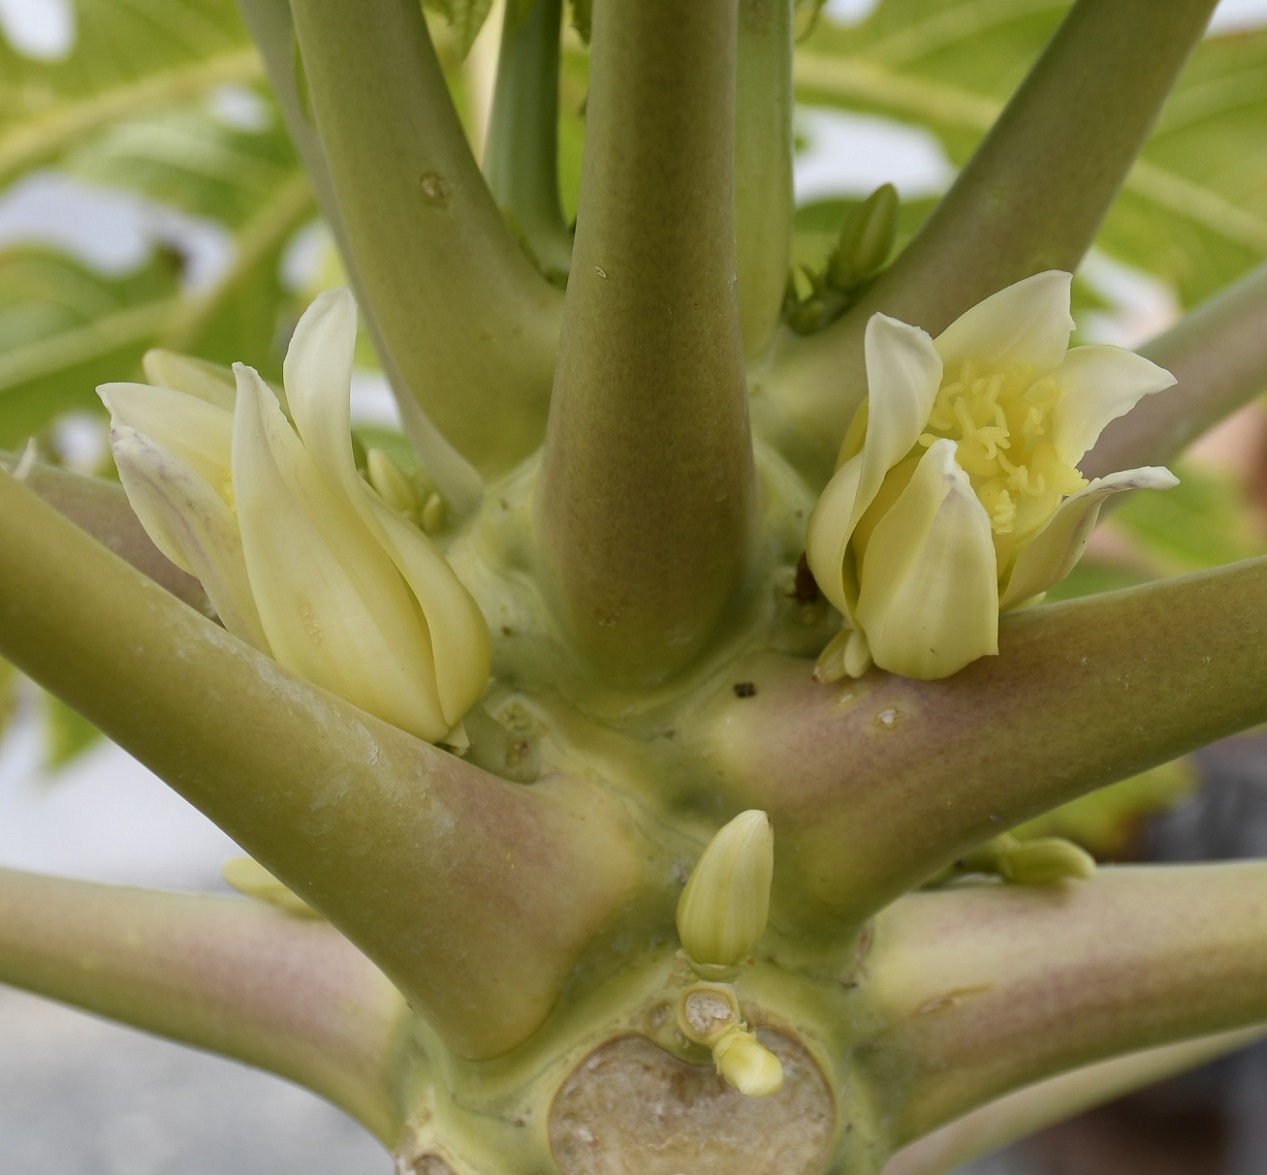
x=1001 y=423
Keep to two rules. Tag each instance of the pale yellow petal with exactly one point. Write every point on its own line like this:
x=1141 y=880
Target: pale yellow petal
x=190 y=523
x=1099 y=384
x=318 y=378
x=928 y=600
x=459 y=636
x=196 y=377
x=331 y=602
x=827 y=537
x=1027 y=323
x=1054 y=550
x=191 y=430
x=903 y=375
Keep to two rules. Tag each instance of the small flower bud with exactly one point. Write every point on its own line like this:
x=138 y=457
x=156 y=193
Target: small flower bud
x=391 y=484
x=1045 y=861
x=747 y=1064
x=866 y=239
x=251 y=879
x=723 y=910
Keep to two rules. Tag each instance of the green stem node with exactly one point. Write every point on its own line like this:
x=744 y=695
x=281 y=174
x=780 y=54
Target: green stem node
x=473 y=895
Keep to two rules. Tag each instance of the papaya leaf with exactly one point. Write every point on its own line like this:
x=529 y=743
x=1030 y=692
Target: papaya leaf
x=1192 y=209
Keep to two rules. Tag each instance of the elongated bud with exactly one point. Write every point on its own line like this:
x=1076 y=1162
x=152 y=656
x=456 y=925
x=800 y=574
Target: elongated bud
x=251 y=879
x=747 y=1064
x=866 y=238
x=723 y=910
x=1045 y=862
x=391 y=484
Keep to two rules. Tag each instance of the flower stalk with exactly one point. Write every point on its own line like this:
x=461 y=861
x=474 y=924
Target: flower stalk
x=646 y=495
x=469 y=324
x=1031 y=981
x=893 y=778
x=390 y=839
x=521 y=151
x=1036 y=190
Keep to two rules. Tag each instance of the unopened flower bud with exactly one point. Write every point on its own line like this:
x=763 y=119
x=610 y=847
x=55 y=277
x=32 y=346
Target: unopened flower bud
x=250 y=878
x=391 y=484
x=1045 y=861
x=723 y=910
x=747 y=1064
x=866 y=239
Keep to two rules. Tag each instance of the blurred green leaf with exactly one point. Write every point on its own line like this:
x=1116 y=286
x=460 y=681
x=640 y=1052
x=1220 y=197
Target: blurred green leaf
x=1194 y=209
x=465 y=18
x=129 y=57
x=64 y=329
x=67 y=734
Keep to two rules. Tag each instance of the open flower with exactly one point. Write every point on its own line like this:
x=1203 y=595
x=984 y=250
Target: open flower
x=298 y=555
x=958 y=496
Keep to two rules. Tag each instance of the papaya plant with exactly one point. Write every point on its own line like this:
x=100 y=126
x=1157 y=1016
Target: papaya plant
x=628 y=770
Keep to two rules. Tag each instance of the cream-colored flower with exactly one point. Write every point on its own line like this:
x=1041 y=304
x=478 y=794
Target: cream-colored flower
x=958 y=495
x=298 y=555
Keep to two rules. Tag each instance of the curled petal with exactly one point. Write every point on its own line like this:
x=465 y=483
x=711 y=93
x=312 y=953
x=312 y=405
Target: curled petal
x=903 y=375
x=1099 y=384
x=317 y=373
x=190 y=523
x=1027 y=323
x=460 y=645
x=929 y=585
x=1054 y=550
x=193 y=431
x=827 y=538
x=332 y=603
x=196 y=377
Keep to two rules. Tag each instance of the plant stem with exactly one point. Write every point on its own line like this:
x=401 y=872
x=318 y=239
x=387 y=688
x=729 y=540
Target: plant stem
x=473 y=895
x=469 y=323
x=763 y=165
x=1034 y=1107
x=647 y=487
x=285 y=994
x=876 y=785
x=521 y=153
x=273 y=30
x=101 y=508
x=985 y=989
x=1031 y=198
x=1218 y=353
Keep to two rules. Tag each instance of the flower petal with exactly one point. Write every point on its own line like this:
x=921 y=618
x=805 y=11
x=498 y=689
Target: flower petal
x=459 y=636
x=929 y=583
x=1054 y=550
x=1099 y=384
x=1027 y=323
x=196 y=433
x=318 y=375
x=331 y=602
x=903 y=375
x=195 y=377
x=189 y=522
x=827 y=538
